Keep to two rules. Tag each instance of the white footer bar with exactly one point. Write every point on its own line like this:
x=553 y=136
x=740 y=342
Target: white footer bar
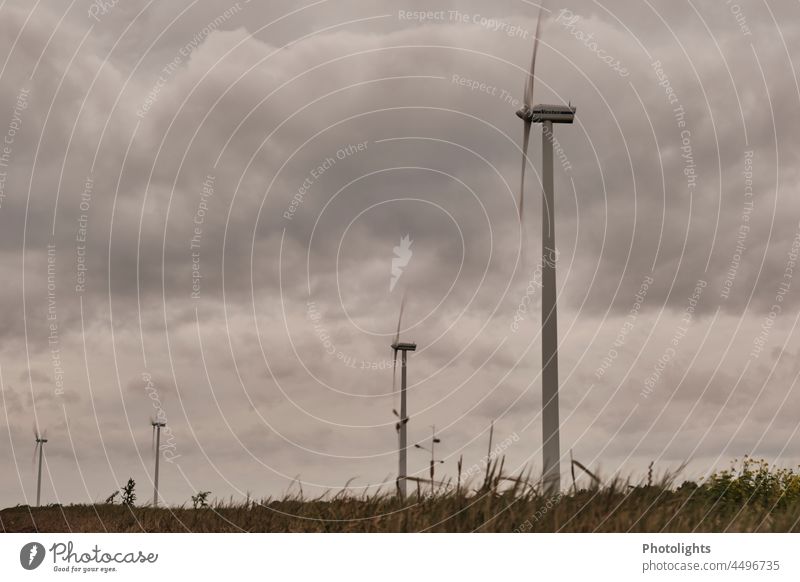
x=400 y=557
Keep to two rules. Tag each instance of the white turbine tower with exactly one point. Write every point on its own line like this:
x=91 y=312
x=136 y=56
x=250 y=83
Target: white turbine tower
x=402 y=425
x=41 y=439
x=156 y=441
x=547 y=115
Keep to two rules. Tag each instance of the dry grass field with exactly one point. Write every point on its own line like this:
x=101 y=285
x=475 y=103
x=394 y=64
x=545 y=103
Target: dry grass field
x=751 y=497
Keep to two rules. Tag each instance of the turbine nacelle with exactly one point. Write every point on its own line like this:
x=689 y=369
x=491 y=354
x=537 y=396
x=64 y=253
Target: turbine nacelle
x=554 y=113
x=404 y=347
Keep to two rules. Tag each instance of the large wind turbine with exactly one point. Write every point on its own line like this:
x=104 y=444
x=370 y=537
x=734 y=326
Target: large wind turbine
x=157 y=426
x=547 y=115
x=39 y=447
x=402 y=425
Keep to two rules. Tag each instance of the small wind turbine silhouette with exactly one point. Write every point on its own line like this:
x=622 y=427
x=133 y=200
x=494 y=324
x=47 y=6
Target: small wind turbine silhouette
x=402 y=424
x=434 y=460
x=547 y=115
x=41 y=439
x=156 y=443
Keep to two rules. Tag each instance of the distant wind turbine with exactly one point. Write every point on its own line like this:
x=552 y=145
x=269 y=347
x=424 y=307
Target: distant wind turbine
x=547 y=115
x=156 y=442
x=41 y=439
x=402 y=424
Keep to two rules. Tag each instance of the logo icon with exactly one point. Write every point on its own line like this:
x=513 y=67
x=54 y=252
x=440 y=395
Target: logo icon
x=31 y=555
x=400 y=261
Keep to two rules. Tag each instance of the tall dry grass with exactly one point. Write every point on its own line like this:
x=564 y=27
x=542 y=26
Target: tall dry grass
x=749 y=497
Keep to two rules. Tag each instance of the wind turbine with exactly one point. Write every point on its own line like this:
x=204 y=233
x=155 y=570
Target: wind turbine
x=39 y=447
x=547 y=115
x=402 y=425
x=434 y=460
x=157 y=426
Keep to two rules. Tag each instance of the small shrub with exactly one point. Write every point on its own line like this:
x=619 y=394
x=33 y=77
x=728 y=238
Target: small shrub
x=129 y=493
x=201 y=499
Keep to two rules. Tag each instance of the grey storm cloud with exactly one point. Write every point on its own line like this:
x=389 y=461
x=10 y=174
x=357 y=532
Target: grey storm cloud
x=222 y=186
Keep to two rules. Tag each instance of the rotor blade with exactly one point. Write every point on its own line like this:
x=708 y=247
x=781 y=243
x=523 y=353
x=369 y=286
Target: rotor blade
x=153 y=439
x=397 y=339
x=529 y=81
x=394 y=373
x=526 y=138
x=35 y=431
x=400 y=318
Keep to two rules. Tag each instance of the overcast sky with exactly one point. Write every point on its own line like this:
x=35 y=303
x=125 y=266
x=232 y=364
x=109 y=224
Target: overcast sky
x=200 y=204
